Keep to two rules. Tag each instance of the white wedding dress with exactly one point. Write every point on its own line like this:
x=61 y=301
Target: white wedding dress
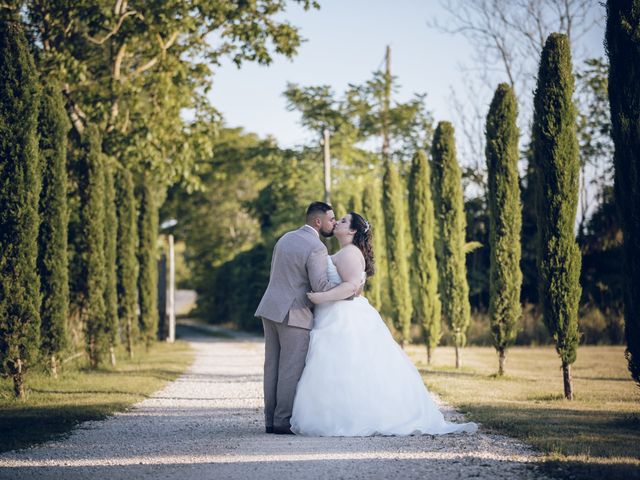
x=357 y=381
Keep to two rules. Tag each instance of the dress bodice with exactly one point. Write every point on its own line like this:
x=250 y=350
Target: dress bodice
x=332 y=272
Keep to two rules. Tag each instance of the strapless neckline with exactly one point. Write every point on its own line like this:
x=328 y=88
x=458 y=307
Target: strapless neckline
x=332 y=269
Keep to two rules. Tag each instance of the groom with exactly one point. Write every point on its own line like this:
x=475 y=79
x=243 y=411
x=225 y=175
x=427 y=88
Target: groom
x=298 y=265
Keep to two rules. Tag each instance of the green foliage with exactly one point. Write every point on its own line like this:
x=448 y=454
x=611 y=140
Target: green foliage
x=133 y=67
x=147 y=259
x=409 y=124
x=622 y=41
x=126 y=260
x=53 y=127
x=395 y=228
x=93 y=231
x=19 y=192
x=110 y=251
x=377 y=286
x=602 y=264
x=555 y=153
x=529 y=241
x=427 y=304
x=259 y=191
x=505 y=218
x=449 y=211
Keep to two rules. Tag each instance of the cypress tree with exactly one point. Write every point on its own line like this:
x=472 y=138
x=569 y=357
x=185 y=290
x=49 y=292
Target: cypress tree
x=395 y=228
x=450 y=216
x=623 y=48
x=110 y=247
x=355 y=203
x=52 y=255
x=372 y=212
x=505 y=220
x=19 y=191
x=126 y=261
x=93 y=230
x=428 y=307
x=555 y=154
x=148 y=279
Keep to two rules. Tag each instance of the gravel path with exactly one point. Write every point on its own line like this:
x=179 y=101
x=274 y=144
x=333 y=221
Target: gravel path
x=208 y=424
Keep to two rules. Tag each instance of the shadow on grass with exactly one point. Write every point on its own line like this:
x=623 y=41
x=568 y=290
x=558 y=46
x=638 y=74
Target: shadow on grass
x=563 y=430
x=450 y=373
x=602 y=379
x=90 y=392
x=21 y=428
x=577 y=470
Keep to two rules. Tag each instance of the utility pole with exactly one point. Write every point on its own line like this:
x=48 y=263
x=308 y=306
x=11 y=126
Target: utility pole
x=327 y=167
x=386 y=101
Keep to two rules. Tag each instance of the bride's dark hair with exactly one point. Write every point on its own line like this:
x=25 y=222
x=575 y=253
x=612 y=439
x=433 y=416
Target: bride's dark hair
x=363 y=240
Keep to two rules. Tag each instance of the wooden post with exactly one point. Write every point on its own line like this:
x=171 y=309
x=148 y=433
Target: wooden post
x=171 y=304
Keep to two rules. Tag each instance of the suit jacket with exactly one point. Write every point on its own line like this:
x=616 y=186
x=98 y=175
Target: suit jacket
x=298 y=265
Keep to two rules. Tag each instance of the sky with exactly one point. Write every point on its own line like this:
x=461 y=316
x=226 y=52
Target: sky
x=345 y=43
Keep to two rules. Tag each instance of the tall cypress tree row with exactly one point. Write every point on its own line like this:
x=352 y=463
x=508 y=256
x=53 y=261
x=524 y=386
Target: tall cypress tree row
x=428 y=307
x=505 y=220
x=19 y=191
x=148 y=279
x=623 y=48
x=395 y=228
x=450 y=216
x=53 y=266
x=93 y=228
x=110 y=247
x=555 y=153
x=126 y=261
x=372 y=211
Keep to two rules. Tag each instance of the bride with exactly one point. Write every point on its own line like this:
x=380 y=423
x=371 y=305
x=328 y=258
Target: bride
x=357 y=381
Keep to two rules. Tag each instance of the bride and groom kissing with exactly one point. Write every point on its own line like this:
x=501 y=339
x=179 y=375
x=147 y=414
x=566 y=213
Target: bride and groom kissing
x=331 y=366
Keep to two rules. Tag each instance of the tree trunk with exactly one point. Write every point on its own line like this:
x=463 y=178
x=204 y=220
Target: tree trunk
x=92 y=352
x=112 y=354
x=566 y=376
x=457 y=356
x=501 y=360
x=18 y=381
x=129 y=339
x=54 y=366
x=429 y=353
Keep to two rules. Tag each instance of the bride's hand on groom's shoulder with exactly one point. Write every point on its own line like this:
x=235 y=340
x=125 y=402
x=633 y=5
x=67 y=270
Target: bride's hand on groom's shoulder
x=313 y=297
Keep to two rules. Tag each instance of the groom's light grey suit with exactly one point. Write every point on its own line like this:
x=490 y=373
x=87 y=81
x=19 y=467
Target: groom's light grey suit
x=298 y=265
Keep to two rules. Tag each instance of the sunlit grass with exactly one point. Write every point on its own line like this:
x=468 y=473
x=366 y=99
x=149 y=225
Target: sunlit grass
x=596 y=433
x=55 y=406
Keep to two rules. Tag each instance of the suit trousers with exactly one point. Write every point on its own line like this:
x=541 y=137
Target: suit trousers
x=285 y=352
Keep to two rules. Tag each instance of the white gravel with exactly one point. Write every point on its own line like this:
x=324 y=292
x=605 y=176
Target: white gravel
x=208 y=424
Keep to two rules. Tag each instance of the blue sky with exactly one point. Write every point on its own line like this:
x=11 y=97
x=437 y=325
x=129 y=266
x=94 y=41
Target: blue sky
x=346 y=41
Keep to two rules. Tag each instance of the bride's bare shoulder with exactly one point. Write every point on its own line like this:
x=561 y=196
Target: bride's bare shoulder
x=349 y=253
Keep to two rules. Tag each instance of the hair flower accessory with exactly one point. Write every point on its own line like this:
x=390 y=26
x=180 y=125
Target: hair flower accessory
x=367 y=226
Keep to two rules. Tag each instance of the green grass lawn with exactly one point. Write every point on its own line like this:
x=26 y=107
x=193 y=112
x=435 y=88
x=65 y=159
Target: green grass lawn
x=595 y=435
x=55 y=406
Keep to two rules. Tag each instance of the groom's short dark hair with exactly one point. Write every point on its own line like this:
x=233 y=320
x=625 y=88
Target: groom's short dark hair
x=317 y=207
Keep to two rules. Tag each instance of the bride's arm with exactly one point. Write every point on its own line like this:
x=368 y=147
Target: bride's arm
x=350 y=270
